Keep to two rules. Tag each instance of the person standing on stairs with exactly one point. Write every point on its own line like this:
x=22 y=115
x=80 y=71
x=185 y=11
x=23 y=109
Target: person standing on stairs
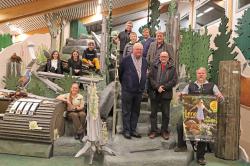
x=124 y=37
x=132 y=76
x=203 y=87
x=162 y=78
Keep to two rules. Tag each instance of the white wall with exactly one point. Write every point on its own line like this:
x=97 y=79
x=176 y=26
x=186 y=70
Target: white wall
x=138 y=23
x=22 y=50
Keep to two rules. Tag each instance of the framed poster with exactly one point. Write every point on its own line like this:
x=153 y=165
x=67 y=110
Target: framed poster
x=200 y=117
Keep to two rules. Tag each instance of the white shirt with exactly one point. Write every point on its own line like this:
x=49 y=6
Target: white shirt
x=54 y=63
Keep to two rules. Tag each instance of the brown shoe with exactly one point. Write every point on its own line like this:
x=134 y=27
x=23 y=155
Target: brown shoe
x=201 y=161
x=152 y=135
x=165 y=135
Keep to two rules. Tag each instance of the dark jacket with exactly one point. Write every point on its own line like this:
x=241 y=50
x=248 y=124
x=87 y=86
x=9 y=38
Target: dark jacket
x=127 y=50
x=59 y=69
x=128 y=75
x=146 y=44
x=124 y=39
x=167 y=78
x=75 y=65
x=206 y=89
x=89 y=55
x=152 y=58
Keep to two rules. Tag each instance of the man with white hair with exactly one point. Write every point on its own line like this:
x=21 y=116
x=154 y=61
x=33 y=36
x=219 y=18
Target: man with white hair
x=132 y=76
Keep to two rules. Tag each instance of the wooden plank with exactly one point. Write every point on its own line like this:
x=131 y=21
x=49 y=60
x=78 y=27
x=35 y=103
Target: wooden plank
x=229 y=111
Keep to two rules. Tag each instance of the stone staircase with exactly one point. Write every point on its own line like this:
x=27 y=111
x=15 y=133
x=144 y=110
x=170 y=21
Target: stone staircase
x=145 y=151
x=143 y=126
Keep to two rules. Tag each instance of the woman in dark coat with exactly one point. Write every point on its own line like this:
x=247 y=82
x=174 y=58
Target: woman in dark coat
x=75 y=64
x=54 y=64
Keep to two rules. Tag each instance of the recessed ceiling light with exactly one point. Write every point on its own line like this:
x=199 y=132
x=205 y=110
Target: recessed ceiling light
x=208 y=9
x=164 y=1
x=199 y=15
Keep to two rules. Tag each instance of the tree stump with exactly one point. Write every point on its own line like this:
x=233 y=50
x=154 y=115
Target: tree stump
x=228 y=134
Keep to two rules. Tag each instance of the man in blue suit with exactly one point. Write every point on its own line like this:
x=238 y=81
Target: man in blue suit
x=132 y=76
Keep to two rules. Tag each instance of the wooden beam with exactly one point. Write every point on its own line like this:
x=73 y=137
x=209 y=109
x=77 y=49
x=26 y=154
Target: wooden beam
x=230 y=13
x=33 y=8
x=38 y=31
x=119 y=11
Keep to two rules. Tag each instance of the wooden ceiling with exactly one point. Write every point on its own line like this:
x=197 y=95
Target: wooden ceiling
x=28 y=15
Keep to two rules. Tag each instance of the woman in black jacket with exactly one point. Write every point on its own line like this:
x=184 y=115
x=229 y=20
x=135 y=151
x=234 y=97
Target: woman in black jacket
x=54 y=64
x=75 y=64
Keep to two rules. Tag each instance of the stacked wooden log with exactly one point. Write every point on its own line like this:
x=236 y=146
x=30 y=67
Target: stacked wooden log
x=20 y=114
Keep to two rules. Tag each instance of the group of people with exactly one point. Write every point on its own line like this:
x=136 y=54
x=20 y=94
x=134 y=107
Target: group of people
x=89 y=58
x=148 y=63
x=144 y=64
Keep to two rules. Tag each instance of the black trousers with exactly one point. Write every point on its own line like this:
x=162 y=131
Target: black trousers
x=201 y=146
x=131 y=103
x=163 y=105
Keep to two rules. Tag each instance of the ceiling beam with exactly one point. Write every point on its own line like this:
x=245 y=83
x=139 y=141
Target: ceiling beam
x=119 y=11
x=33 y=8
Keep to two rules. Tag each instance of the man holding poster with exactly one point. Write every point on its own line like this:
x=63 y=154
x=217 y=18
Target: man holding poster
x=197 y=106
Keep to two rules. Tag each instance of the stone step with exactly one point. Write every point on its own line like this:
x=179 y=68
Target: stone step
x=66 y=146
x=144 y=117
x=145 y=152
x=142 y=128
x=153 y=158
x=68 y=128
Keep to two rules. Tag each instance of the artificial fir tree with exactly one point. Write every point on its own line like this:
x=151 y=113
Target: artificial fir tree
x=194 y=51
x=154 y=16
x=223 y=51
x=243 y=31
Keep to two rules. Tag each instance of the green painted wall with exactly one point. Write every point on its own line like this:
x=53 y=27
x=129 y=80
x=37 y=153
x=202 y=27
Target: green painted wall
x=5 y=41
x=77 y=29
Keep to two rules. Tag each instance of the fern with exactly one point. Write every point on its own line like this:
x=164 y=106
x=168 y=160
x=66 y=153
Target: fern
x=11 y=82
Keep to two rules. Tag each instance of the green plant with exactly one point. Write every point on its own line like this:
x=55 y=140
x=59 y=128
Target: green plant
x=66 y=82
x=41 y=58
x=223 y=51
x=243 y=31
x=37 y=87
x=11 y=82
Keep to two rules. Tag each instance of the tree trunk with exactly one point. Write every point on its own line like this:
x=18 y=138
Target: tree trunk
x=228 y=133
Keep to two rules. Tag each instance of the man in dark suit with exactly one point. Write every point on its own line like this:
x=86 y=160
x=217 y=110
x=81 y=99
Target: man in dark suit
x=132 y=76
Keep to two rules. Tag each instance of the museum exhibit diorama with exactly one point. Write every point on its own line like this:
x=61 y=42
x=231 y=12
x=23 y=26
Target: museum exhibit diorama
x=124 y=82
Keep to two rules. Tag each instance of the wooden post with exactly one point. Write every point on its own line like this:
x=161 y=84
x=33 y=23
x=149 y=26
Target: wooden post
x=228 y=134
x=103 y=44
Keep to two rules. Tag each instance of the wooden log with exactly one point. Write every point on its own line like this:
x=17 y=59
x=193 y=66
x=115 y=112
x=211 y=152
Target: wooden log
x=48 y=115
x=81 y=79
x=228 y=134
